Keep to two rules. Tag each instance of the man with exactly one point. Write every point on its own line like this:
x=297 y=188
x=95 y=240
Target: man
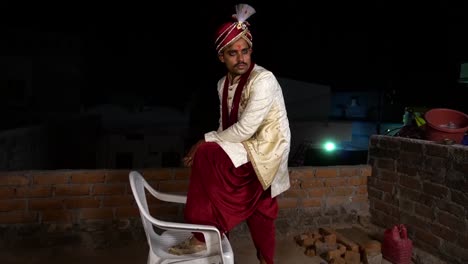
x=238 y=170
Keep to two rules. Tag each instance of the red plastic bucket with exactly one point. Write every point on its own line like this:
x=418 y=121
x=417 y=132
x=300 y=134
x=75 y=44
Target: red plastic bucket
x=445 y=124
x=396 y=246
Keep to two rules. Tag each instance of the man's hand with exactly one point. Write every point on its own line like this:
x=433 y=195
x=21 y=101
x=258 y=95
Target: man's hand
x=188 y=159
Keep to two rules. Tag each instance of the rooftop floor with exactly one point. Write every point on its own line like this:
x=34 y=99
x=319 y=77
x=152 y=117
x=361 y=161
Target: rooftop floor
x=136 y=251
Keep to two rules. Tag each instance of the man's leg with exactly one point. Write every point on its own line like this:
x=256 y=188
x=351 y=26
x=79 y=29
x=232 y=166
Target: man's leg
x=262 y=229
x=220 y=194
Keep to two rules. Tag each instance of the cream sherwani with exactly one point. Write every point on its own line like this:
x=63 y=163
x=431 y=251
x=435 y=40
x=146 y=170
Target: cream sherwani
x=261 y=133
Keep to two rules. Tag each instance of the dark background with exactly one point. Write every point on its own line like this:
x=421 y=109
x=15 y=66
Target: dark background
x=61 y=60
x=162 y=52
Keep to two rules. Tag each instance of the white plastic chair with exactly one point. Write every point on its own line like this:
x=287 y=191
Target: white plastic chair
x=218 y=250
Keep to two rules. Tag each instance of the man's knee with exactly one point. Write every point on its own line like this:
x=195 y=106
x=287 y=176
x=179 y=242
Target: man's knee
x=207 y=147
x=212 y=145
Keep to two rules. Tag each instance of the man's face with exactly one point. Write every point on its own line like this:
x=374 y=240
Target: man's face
x=237 y=57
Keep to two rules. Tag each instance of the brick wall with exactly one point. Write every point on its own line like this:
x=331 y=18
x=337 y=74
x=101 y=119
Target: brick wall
x=72 y=202
x=423 y=185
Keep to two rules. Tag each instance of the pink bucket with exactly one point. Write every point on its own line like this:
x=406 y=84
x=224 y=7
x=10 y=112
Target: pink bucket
x=444 y=124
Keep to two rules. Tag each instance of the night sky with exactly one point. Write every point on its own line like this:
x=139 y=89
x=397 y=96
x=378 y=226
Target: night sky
x=163 y=52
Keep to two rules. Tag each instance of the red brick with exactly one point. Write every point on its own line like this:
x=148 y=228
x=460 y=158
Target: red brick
x=42 y=204
x=318 y=192
x=410 y=182
x=117 y=176
x=409 y=194
x=349 y=244
x=302 y=173
x=108 y=189
x=361 y=180
x=385 y=163
x=287 y=203
x=293 y=193
x=459 y=198
x=408 y=170
x=59 y=216
x=411 y=147
x=424 y=211
x=349 y=171
x=7 y=192
x=158 y=174
x=124 y=212
x=360 y=198
x=386 y=208
x=97 y=213
x=336 y=182
x=352 y=257
x=18 y=217
x=406 y=205
x=128 y=189
x=325 y=172
x=61 y=177
x=361 y=190
x=12 y=205
x=382 y=218
x=366 y=171
x=342 y=191
x=118 y=201
x=34 y=191
x=436 y=190
x=88 y=176
x=313 y=183
x=164 y=210
x=182 y=173
x=427 y=238
x=296 y=184
x=374 y=193
x=312 y=202
x=393 y=200
x=389 y=176
x=450 y=221
x=384 y=186
x=413 y=221
x=334 y=201
x=6 y=180
x=445 y=233
x=72 y=190
x=330 y=239
x=82 y=203
x=174 y=186
x=463 y=240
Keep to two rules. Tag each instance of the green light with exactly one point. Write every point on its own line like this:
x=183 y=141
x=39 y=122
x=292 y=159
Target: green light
x=329 y=146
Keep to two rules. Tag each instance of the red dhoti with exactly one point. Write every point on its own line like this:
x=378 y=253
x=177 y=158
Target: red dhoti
x=223 y=196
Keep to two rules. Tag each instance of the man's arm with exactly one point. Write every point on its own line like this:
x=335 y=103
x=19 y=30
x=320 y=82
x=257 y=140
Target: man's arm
x=260 y=101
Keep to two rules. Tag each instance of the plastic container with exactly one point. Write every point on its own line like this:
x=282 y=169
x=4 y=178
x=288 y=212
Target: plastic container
x=443 y=124
x=396 y=246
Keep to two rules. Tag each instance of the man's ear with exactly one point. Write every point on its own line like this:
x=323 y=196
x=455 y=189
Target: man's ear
x=221 y=57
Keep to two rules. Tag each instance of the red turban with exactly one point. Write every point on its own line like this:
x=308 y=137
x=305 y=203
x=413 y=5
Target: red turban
x=230 y=32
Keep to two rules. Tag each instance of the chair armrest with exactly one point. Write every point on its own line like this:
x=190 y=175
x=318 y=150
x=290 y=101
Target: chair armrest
x=174 y=198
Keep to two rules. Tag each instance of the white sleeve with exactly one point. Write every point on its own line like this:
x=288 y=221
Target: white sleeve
x=260 y=101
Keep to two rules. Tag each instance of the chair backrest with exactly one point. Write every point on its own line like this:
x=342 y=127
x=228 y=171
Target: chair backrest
x=138 y=185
